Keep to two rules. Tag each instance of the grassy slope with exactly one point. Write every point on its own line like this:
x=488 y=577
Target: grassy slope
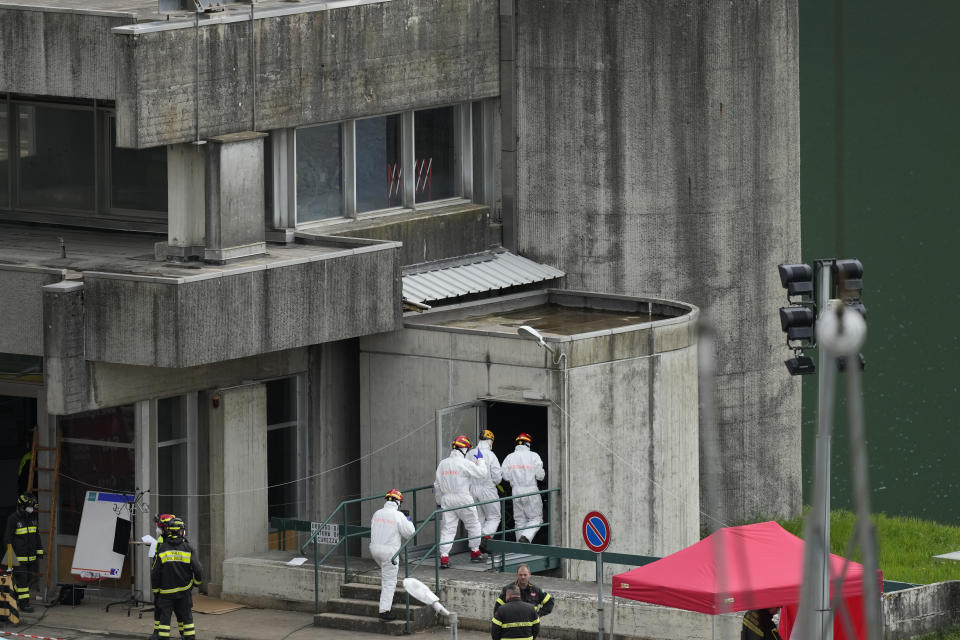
x=906 y=546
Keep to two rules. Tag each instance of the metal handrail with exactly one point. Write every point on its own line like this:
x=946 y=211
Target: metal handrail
x=436 y=530
x=346 y=562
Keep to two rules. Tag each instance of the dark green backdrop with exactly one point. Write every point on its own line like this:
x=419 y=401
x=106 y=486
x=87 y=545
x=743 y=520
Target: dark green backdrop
x=899 y=140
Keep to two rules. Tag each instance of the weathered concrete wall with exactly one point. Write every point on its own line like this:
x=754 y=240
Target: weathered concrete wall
x=238 y=476
x=628 y=447
x=429 y=234
x=911 y=613
x=639 y=468
x=59 y=53
x=658 y=153
x=169 y=322
x=21 y=307
x=318 y=66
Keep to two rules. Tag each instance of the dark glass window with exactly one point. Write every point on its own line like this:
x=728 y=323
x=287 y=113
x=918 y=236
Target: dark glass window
x=88 y=467
x=379 y=183
x=4 y=155
x=116 y=424
x=319 y=173
x=57 y=159
x=138 y=178
x=282 y=464
x=435 y=150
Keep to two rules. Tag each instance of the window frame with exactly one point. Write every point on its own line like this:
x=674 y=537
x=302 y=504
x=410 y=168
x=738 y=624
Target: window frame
x=103 y=214
x=283 y=143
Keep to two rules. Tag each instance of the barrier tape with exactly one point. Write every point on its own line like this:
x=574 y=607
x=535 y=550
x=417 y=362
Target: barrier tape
x=25 y=635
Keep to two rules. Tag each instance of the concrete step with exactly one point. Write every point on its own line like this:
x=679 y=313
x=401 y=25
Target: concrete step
x=361 y=591
x=371 y=609
x=360 y=623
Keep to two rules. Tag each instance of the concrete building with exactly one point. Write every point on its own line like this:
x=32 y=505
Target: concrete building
x=209 y=223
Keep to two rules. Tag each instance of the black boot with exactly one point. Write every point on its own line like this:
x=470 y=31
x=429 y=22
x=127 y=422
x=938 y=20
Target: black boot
x=387 y=616
x=26 y=607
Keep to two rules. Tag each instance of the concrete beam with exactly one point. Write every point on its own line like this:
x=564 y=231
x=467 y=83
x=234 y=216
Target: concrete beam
x=21 y=306
x=234 y=197
x=307 y=67
x=190 y=321
x=44 y=51
x=65 y=370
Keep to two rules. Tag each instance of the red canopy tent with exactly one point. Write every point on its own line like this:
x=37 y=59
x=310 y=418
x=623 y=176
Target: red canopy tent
x=755 y=566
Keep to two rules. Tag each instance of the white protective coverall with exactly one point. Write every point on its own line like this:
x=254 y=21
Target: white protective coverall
x=485 y=488
x=522 y=469
x=388 y=528
x=452 y=489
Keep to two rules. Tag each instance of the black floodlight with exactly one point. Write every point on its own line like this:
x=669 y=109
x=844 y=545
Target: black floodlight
x=798 y=322
x=848 y=274
x=797 y=279
x=800 y=365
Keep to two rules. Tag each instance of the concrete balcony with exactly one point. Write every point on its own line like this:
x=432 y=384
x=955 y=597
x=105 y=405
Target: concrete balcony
x=123 y=306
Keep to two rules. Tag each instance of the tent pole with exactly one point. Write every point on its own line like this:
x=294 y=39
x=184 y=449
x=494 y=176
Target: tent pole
x=613 y=609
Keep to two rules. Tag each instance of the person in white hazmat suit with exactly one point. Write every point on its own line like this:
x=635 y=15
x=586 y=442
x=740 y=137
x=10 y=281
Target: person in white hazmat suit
x=452 y=489
x=485 y=488
x=388 y=528
x=522 y=469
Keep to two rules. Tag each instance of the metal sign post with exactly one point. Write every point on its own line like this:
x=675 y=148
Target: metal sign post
x=596 y=535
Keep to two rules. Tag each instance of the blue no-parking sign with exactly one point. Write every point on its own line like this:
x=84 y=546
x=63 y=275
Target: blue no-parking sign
x=596 y=531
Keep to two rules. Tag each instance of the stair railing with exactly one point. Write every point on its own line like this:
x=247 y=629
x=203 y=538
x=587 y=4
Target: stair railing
x=348 y=531
x=435 y=518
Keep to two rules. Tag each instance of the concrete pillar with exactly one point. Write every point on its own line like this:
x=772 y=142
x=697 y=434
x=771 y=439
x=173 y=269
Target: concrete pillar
x=238 y=477
x=64 y=368
x=234 y=197
x=186 y=166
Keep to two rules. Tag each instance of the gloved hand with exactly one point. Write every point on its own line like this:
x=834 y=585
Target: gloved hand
x=501 y=489
x=479 y=454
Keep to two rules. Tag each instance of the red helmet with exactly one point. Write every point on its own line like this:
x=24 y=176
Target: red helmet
x=524 y=439
x=163 y=520
x=461 y=442
x=395 y=495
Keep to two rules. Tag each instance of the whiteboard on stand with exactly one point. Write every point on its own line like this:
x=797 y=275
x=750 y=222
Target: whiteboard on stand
x=104 y=536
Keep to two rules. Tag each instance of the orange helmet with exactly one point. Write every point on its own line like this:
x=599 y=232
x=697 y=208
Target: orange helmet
x=487 y=435
x=524 y=439
x=395 y=495
x=461 y=442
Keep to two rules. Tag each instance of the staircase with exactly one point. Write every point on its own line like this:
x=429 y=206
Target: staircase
x=358 y=606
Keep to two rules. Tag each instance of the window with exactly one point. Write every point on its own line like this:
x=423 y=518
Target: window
x=319 y=175
x=66 y=167
x=172 y=460
x=378 y=164
x=284 y=497
x=356 y=167
x=435 y=154
x=137 y=179
x=97 y=454
x=4 y=154
x=57 y=172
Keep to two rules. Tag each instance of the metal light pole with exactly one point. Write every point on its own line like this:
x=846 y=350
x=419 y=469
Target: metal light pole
x=815 y=595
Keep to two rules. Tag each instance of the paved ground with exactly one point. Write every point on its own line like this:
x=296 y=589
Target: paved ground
x=89 y=621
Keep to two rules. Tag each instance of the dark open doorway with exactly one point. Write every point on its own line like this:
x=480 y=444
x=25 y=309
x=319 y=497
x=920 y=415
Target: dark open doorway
x=506 y=420
x=18 y=417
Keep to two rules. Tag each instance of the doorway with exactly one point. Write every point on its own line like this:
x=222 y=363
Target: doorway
x=506 y=420
x=18 y=417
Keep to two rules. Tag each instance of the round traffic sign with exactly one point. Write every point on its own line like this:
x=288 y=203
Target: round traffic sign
x=596 y=531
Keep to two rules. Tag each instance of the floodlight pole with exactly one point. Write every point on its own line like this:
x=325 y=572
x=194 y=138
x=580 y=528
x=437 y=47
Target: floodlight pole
x=815 y=594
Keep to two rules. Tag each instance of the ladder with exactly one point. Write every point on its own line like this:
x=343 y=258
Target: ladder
x=53 y=486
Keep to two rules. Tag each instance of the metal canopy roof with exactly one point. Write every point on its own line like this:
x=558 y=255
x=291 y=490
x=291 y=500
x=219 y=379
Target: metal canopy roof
x=477 y=273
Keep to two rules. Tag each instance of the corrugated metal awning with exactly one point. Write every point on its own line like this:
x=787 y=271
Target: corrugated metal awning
x=477 y=273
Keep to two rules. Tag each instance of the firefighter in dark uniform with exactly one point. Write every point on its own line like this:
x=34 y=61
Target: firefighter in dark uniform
x=529 y=592
x=175 y=572
x=515 y=618
x=161 y=523
x=758 y=625
x=23 y=542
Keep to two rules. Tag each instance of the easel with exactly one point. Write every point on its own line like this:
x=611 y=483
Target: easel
x=133 y=600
